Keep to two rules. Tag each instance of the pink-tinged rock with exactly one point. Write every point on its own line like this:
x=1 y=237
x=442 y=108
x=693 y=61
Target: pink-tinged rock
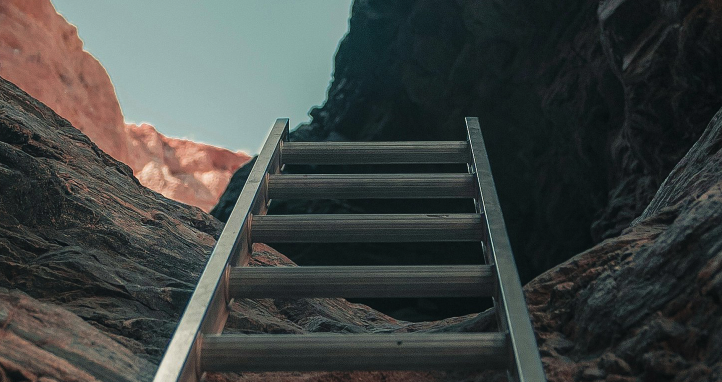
x=42 y=54
x=180 y=169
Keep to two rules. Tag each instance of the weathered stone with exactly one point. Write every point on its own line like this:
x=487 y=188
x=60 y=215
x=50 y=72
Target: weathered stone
x=646 y=301
x=585 y=107
x=41 y=341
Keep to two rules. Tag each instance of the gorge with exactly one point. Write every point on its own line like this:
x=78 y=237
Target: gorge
x=604 y=128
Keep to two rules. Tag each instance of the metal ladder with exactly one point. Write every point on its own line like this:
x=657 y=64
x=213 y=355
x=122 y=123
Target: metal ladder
x=197 y=346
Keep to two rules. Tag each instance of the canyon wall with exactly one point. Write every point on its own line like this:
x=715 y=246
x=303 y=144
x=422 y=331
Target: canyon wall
x=646 y=305
x=42 y=53
x=95 y=269
x=585 y=106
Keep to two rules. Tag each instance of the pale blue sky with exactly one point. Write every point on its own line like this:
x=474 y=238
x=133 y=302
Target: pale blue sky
x=215 y=71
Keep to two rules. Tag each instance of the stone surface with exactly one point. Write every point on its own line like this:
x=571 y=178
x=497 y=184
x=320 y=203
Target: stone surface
x=78 y=230
x=79 y=236
x=42 y=54
x=43 y=342
x=647 y=305
x=186 y=171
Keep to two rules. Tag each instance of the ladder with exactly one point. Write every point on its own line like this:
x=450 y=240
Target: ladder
x=197 y=347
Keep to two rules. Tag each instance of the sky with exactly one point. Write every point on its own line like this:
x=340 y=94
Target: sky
x=214 y=71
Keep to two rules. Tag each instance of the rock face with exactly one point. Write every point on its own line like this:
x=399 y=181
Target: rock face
x=42 y=53
x=644 y=306
x=585 y=106
x=95 y=269
x=190 y=172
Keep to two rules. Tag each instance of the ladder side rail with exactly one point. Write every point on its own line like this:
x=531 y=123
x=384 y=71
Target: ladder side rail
x=511 y=307
x=207 y=310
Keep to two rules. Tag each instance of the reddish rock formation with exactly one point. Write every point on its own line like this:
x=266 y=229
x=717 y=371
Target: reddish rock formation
x=40 y=340
x=42 y=53
x=190 y=172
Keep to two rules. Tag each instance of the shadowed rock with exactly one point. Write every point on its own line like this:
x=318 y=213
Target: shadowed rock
x=585 y=106
x=645 y=306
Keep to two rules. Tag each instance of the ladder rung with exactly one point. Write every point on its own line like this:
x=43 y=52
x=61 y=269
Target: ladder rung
x=422 y=152
x=309 y=352
x=357 y=228
x=379 y=186
x=362 y=281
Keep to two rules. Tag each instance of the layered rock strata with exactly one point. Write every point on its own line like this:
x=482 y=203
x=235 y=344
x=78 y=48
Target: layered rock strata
x=646 y=305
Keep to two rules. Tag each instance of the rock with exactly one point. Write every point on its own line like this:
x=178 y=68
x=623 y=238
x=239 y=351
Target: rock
x=228 y=199
x=664 y=364
x=64 y=347
x=592 y=374
x=585 y=106
x=79 y=234
x=79 y=231
x=42 y=54
x=613 y=364
x=190 y=172
x=647 y=301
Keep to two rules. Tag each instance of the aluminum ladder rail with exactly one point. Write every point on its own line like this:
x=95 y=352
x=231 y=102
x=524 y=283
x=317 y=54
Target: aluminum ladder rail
x=197 y=346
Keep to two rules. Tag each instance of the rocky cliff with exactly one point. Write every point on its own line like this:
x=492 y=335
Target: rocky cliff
x=646 y=305
x=585 y=106
x=42 y=53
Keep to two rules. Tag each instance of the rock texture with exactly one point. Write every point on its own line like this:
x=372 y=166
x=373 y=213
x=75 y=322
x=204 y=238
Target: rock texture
x=190 y=172
x=647 y=305
x=95 y=269
x=585 y=106
x=40 y=340
x=42 y=53
x=79 y=231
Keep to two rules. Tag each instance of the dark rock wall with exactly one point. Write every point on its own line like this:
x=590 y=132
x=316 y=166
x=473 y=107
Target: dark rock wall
x=646 y=305
x=585 y=106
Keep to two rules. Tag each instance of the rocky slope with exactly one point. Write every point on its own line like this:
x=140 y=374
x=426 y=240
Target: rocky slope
x=95 y=269
x=646 y=305
x=585 y=106
x=42 y=53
